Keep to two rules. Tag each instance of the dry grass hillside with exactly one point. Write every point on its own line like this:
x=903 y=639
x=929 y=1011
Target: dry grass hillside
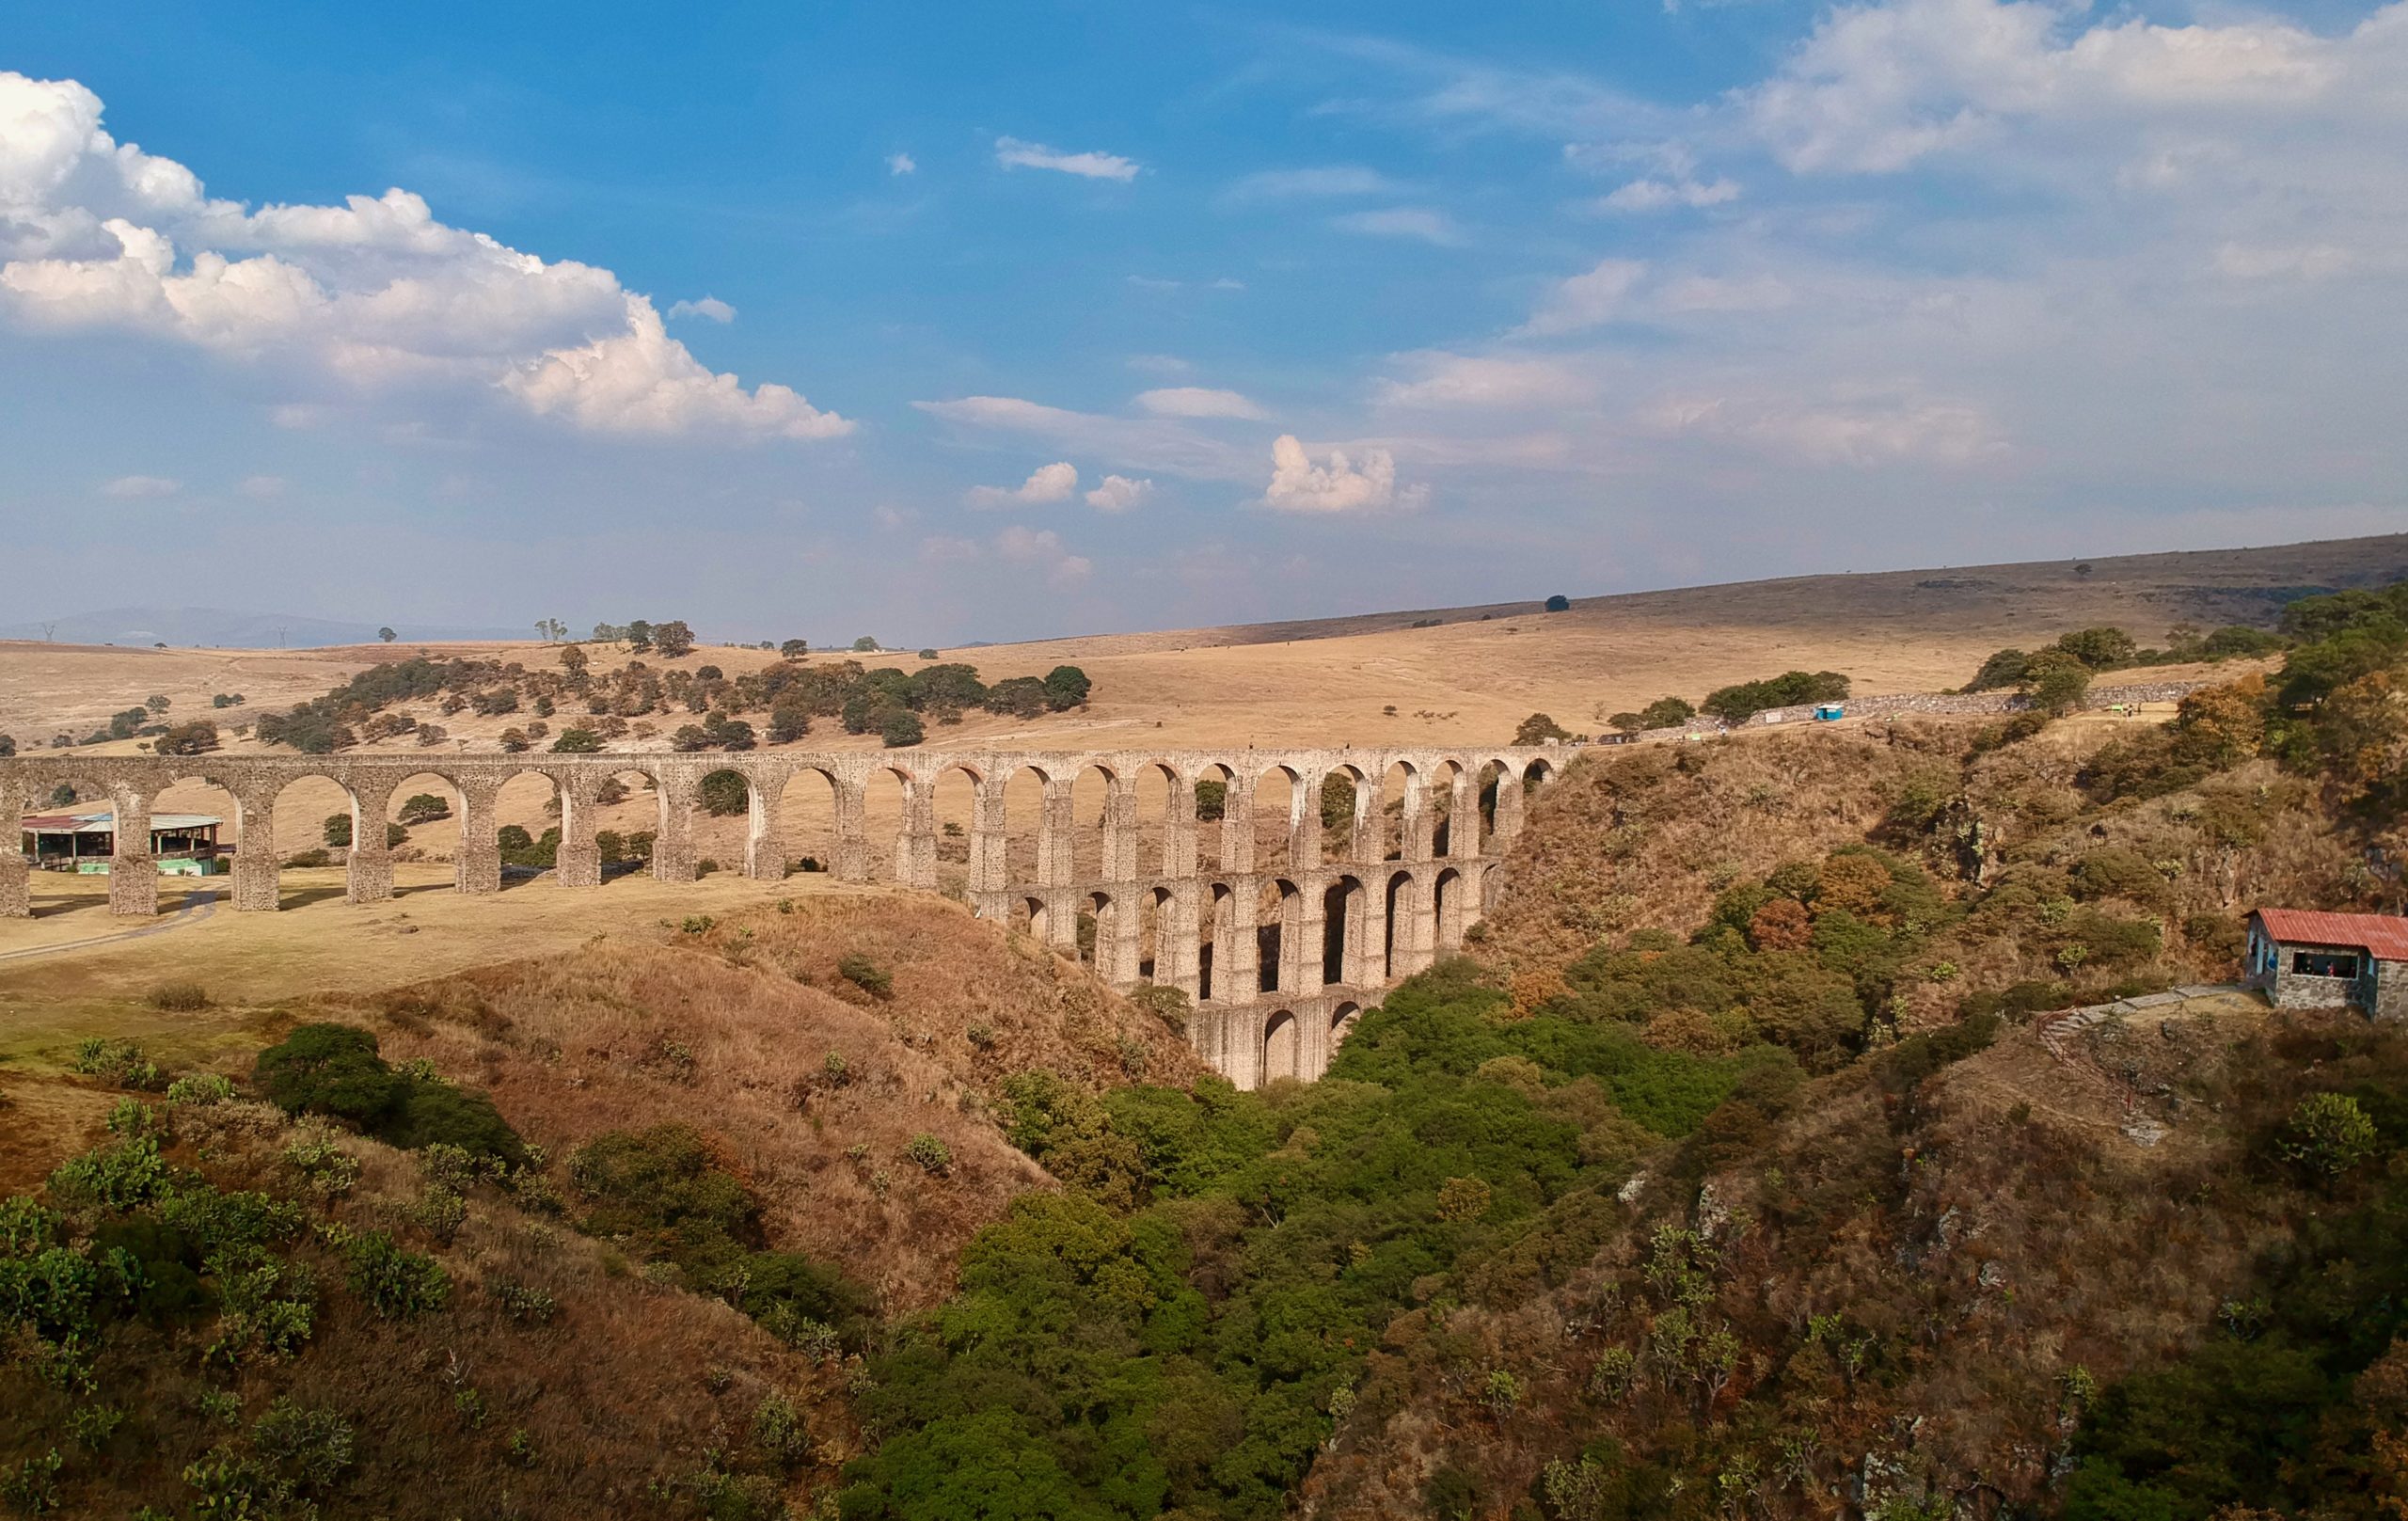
x=1376 y=679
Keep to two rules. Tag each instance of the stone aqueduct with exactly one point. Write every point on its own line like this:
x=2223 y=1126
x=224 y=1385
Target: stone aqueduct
x=1346 y=927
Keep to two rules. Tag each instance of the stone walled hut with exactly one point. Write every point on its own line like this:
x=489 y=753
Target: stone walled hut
x=2302 y=959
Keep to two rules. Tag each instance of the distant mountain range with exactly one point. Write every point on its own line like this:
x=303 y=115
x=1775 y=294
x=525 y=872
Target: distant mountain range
x=191 y=627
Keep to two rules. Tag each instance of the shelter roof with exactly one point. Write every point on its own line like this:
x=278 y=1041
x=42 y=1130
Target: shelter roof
x=2382 y=936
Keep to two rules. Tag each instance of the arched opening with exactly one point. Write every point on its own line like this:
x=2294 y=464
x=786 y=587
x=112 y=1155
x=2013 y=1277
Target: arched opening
x=724 y=810
x=530 y=817
x=1164 y=849
x=1343 y=906
x=1448 y=834
x=1213 y=806
x=305 y=814
x=885 y=796
x=956 y=819
x=1404 y=913
x=1279 y=936
x=1219 y=930
x=426 y=810
x=1024 y=835
x=805 y=820
x=1348 y=809
x=1100 y=937
x=1028 y=915
x=1282 y=1046
x=1447 y=913
x=1400 y=784
x=197 y=829
x=1491 y=773
x=1278 y=813
x=1341 y=1024
x=1093 y=834
x=1536 y=773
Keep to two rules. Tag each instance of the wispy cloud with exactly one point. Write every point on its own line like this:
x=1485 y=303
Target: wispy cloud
x=1420 y=223
x=1328 y=183
x=135 y=487
x=901 y=164
x=710 y=308
x=1013 y=153
x=1197 y=401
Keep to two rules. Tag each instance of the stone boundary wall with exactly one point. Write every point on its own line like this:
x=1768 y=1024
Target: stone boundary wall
x=1974 y=703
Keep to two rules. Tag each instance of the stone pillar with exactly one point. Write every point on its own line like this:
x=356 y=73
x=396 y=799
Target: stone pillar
x=1237 y=958
x=765 y=846
x=852 y=830
x=1420 y=823
x=1176 y=936
x=916 y=845
x=1057 y=836
x=578 y=862
x=369 y=878
x=672 y=847
x=1509 y=812
x=1242 y=1036
x=256 y=866
x=1416 y=935
x=1063 y=905
x=1119 y=860
x=16 y=873
x=476 y=863
x=1367 y=839
x=1463 y=819
x=1304 y=822
x=1178 y=830
x=133 y=874
x=1367 y=923
x=990 y=851
x=1117 y=943
x=1302 y=925
x=1237 y=826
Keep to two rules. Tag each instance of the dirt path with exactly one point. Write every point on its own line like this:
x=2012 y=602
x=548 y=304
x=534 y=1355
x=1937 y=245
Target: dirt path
x=198 y=906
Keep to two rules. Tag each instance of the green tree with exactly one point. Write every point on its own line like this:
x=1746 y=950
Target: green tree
x=794 y=649
x=1666 y=712
x=1211 y=800
x=673 y=638
x=1559 y=603
x=576 y=743
x=637 y=634
x=866 y=644
x=2100 y=649
x=724 y=795
x=1538 y=729
x=1067 y=687
x=386 y=634
x=899 y=727
x=2057 y=682
x=423 y=808
x=335 y=831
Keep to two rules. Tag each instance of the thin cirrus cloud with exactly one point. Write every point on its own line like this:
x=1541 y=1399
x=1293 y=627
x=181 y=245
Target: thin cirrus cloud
x=1171 y=445
x=1046 y=483
x=140 y=487
x=1665 y=194
x=1199 y=402
x=1015 y=153
x=1328 y=183
x=1589 y=299
x=1417 y=223
x=373 y=295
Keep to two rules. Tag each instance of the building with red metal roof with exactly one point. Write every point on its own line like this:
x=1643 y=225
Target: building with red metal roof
x=2303 y=957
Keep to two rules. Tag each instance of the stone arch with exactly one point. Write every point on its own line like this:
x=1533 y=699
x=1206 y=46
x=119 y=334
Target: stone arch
x=126 y=791
x=1405 y=936
x=1280 y=816
x=1362 y=825
x=1279 y=936
x=801 y=824
x=1216 y=946
x=1283 y=1046
x=1029 y=914
x=1403 y=790
x=1345 y=931
x=1029 y=823
x=1095 y=790
x=1454 y=813
x=1341 y=1024
x=1223 y=840
x=960 y=802
x=1446 y=910
x=1164 y=815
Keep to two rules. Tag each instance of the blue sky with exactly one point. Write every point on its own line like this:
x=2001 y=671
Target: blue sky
x=948 y=323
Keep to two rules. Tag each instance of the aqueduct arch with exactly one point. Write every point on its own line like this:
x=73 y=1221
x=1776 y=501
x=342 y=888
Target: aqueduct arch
x=1355 y=903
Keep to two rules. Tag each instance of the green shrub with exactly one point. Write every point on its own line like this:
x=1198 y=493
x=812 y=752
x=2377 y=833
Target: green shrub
x=928 y=1154
x=200 y=1089
x=441 y=1113
x=330 y=1070
x=2327 y=1134
x=397 y=1283
x=866 y=974
x=119 y=1063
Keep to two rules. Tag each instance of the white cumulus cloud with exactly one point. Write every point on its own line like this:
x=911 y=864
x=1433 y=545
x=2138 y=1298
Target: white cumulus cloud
x=1341 y=486
x=1197 y=401
x=901 y=164
x=1013 y=153
x=1663 y=194
x=710 y=308
x=1047 y=483
x=1118 y=493
x=95 y=233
